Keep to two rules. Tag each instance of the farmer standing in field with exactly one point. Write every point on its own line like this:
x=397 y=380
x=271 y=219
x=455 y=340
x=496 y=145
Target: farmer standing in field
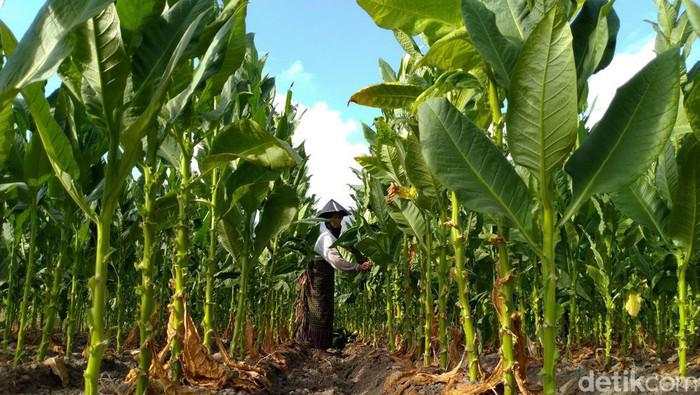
x=314 y=310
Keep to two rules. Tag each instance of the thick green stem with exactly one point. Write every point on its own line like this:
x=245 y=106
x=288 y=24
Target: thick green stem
x=682 y=314
x=239 y=323
x=96 y=314
x=427 y=298
x=72 y=300
x=609 y=309
x=180 y=261
x=50 y=310
x=10 y=306
x=443 y=291
x=147 y=287
x=208 y=321
x=390 y=324
x=503 y=266
x=463 y=291
x=549 y=278
x=28 y=276
x=505 y=288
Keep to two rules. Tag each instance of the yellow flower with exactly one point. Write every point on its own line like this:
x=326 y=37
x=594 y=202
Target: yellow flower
x=633 y=304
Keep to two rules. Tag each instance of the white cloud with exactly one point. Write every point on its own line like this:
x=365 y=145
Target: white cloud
x=295 y=74
x=603 y=85
x=331 y=155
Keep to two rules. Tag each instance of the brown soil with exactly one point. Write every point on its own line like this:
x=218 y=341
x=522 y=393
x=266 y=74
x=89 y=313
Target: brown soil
x=357 y=369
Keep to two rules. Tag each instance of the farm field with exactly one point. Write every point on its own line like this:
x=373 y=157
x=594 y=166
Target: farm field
x=161 y=231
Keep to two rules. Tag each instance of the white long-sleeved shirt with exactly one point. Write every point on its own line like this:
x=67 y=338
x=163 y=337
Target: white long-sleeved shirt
x=323 y=248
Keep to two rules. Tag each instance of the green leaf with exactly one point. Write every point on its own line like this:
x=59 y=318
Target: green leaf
x=632 y=133
x=56 y=145
x=542 y=114
x=667 y=174
x=206 y=63
x=449 y=81
x=417 y=170
x=594 y=39
x=387 y=95
x=388 y=73
x=409 y=219
x=245 y=139
x=277 y=214
x=498 y=51
x=434 y=18
x=104 y=65
x=377 y=168
x=234 y=52
x=229 y=231
x=514 y=18
x=641 y=202
x=130 y=139
x=684 y=222
x=692 y=106
x=693 y=11
x=465 y=161
x=46 y=43
x=408 y=43
x=134 y=13
x=160 y=37
x=453 y=51
x=600 y=280
x=7 y=132
x=36 y=167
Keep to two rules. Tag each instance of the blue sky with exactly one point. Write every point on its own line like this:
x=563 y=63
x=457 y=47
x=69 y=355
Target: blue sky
x=329 y=49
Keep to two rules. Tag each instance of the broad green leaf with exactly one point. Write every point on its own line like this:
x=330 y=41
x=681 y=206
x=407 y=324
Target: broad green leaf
x=160 y=38
x=408 y=43
x=600 y=280
x=632 y=133
x=104 y=65
x=229 y=231
x=692 y=106
x=693 y=11
x=684 y=222
x=514 y=18
x=497 y=50
x=130 y=139
x=277 y=214
x=542 y=115
x=450 y=81
x=377 y=168
x=46 y=43
x=206 y=63
x=453 y=51
x=134 y=13
x=6 y=132
x=641 y=202
x=410 y=220
x=388 y=73
x=245 y=139
x=667 y=174
x=465 y=161
x=248 y=173
x=417 y=170
x=36 y=166
x=387 y=95
x=56 y=145
x=234 y=50
x=594 y=40
x=434 y=18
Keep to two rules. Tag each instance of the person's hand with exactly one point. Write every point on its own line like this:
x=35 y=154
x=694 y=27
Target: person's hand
x=365 y=266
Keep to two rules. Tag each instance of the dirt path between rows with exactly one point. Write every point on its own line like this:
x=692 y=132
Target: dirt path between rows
x=295 y=369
